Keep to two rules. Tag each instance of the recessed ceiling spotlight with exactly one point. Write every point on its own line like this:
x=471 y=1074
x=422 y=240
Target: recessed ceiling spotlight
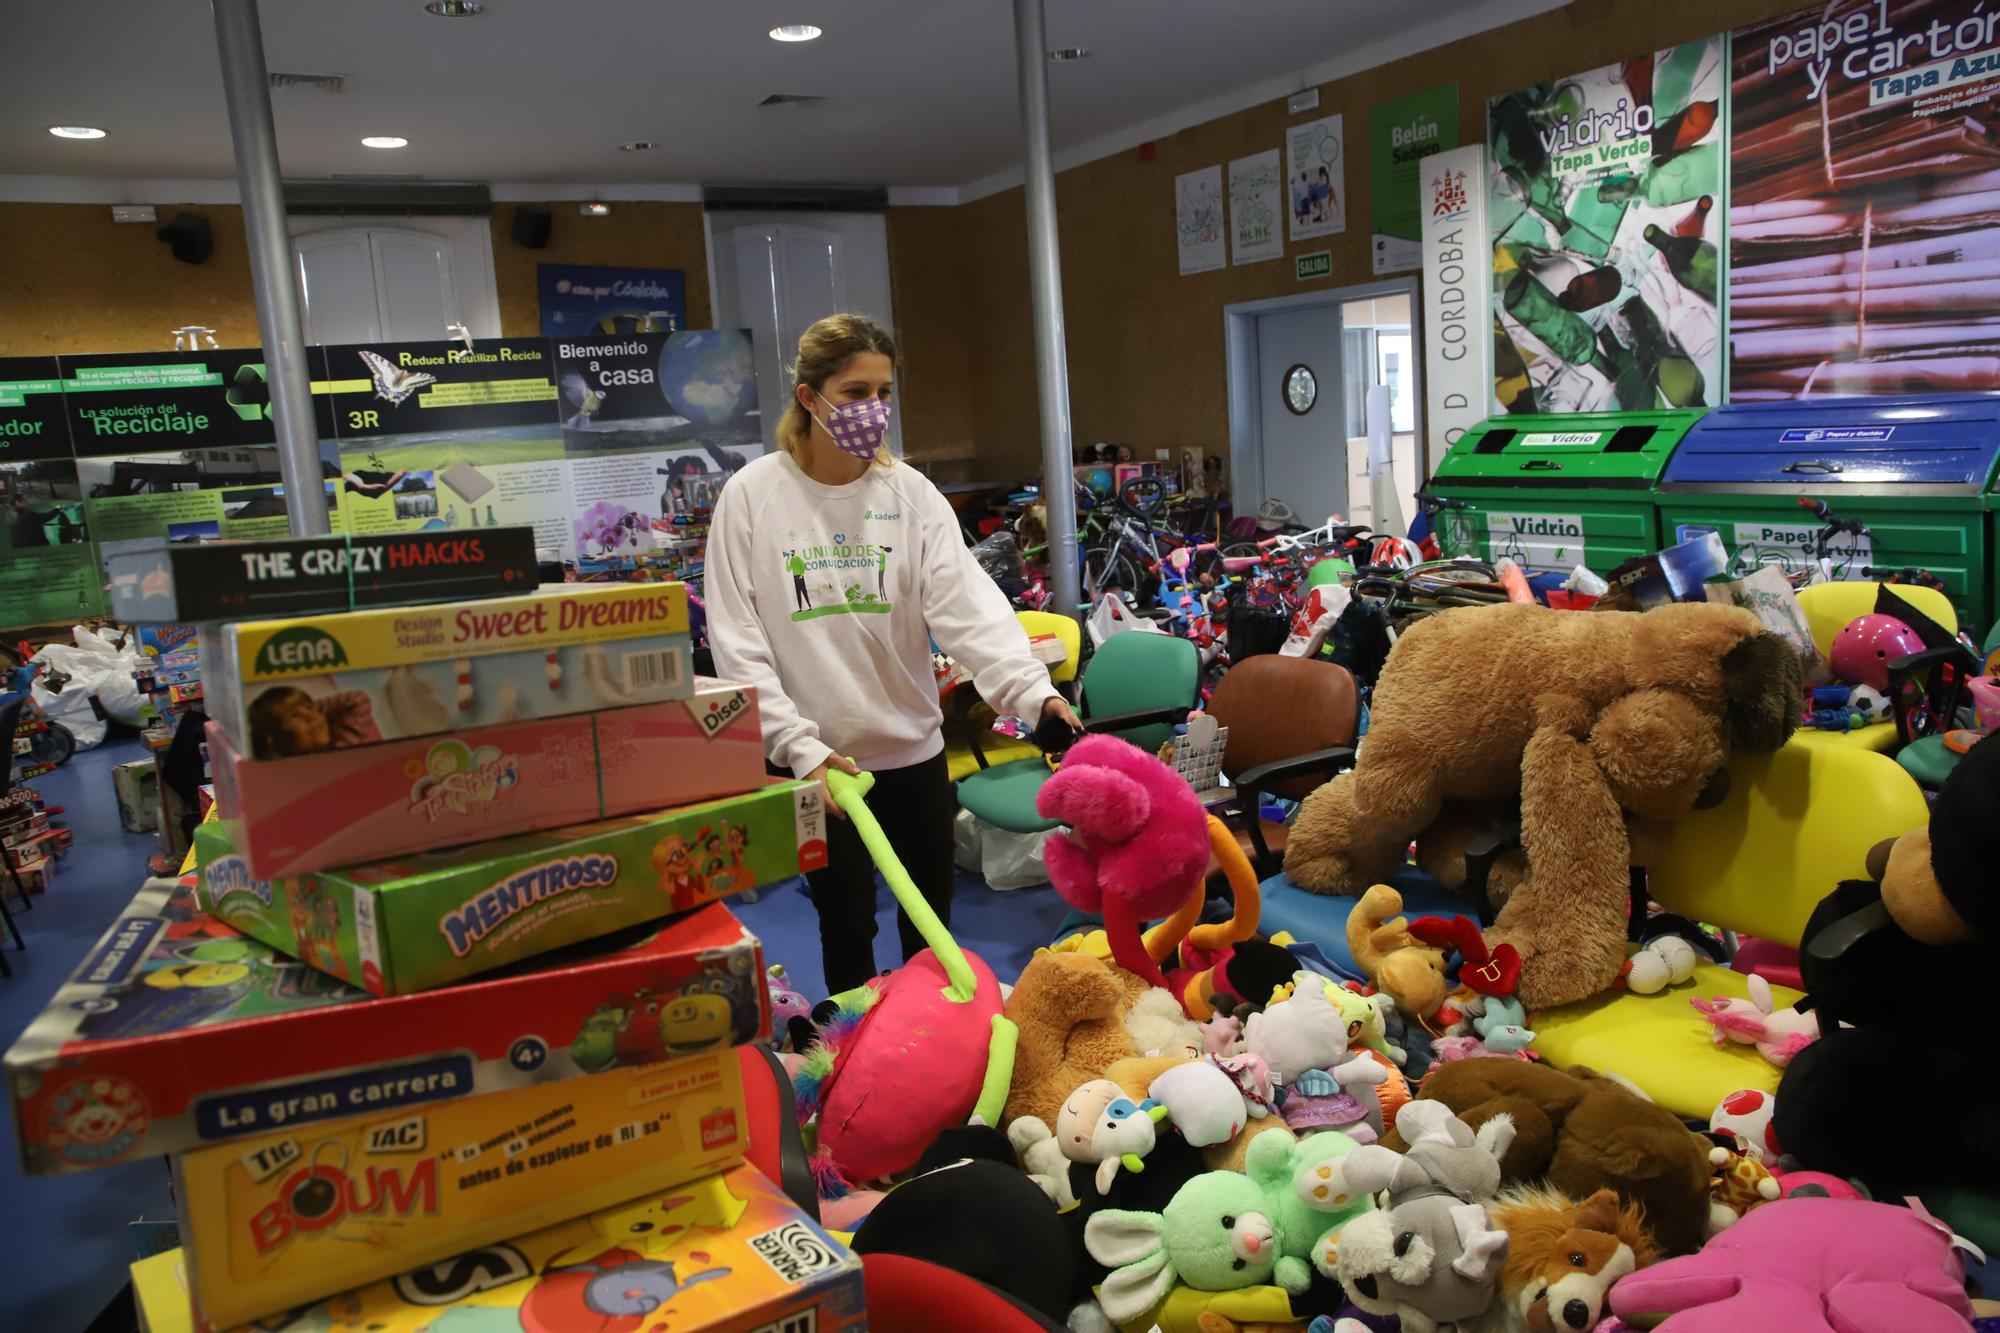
x=794 y=32
x=638 y=146
x=1070 y=53
x=385 y=141
x=455 y=9
x=76 y=131
x=595 y=210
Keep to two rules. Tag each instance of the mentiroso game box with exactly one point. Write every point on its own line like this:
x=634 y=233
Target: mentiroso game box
x=414 y=922
x=282 y=688
x=288 y=1217
x=175 y=1031
x=291 y=816
x=726 y=1254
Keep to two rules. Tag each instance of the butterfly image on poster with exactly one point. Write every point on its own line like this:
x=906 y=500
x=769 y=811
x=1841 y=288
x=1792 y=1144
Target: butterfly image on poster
x=393 y=384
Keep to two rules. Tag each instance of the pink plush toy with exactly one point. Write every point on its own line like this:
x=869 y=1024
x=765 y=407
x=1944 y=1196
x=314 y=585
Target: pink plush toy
x=1809 y=1266
x=1137 y=846
x=1778 y=1034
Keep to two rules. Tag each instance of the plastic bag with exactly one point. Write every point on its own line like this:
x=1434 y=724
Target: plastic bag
x=965 y=841
x=1006 y=860
x=1111 y=616
x=96 y=667
x=1000 y=556
x=1767 y=593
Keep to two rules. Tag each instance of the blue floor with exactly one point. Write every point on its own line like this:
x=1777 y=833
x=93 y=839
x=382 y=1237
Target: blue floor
x=65 y=1242
x=65 y=1239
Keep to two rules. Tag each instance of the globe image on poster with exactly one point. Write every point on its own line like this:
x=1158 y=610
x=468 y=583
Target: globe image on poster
x=708 y=376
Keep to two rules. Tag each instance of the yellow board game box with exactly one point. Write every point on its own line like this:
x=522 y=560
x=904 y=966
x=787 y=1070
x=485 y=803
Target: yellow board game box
x=725 y=1254
x=272 y=1222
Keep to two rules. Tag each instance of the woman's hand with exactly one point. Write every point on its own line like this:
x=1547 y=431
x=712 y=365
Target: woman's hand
x=1058 y=709
x=845 y=765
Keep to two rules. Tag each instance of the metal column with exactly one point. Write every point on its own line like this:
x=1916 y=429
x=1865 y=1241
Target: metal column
x=1045 y=285
x=246 y=88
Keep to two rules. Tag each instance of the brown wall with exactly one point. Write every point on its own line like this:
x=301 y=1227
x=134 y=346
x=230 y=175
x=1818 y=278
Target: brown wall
x=1146 y=356
x=71 y=280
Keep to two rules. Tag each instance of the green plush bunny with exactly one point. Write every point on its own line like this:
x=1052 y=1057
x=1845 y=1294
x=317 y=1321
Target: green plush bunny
x=1217 y=1234
x=1301 y=1179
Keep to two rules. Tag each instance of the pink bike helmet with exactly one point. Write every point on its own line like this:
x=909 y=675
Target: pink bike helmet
x=1863 y=650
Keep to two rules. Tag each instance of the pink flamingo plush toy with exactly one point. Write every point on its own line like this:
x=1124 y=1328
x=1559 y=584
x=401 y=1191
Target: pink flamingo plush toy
x=1778 y=1034
x=1137 y=845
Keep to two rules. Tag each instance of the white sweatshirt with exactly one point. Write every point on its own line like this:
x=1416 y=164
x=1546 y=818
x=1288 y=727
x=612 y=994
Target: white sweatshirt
x=826 y=598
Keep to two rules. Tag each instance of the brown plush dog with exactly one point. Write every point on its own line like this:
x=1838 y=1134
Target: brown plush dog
x=1583 y=718
x=1585 y=1133
x=1070 y=1009
x=1563 y=1256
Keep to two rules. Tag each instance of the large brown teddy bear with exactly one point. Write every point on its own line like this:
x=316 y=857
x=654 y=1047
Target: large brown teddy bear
x=1584 y=1133
x=1584 y=718
x=1070 y=1009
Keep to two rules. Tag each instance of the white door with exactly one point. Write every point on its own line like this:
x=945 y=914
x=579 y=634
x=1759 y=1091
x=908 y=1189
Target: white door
x=1301 y=414
x=403 y=281
x=775 y=275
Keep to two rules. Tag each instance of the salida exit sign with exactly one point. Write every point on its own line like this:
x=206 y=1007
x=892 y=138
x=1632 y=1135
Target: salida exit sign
x=1318 y=264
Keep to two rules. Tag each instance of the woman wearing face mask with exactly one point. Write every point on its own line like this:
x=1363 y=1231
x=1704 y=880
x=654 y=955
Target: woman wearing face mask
x=831 y=567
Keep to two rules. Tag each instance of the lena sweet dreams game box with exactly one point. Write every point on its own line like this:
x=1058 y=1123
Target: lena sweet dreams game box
x=176 y=1031
x=414 y=922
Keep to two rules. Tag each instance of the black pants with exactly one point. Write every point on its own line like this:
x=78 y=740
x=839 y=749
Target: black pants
x=915 y=806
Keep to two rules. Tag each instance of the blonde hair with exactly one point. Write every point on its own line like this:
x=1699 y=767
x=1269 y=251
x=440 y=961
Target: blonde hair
x=823 y=350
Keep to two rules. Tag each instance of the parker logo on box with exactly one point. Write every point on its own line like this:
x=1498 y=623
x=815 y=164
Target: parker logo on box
x=718 y=1129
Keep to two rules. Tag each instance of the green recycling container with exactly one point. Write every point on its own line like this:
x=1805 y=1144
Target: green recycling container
x=1558 y=491
x=1918 y=471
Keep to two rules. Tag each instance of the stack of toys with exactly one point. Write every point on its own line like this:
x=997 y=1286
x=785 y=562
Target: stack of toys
x=169 y=674
x=407 y=797
x=30 y=838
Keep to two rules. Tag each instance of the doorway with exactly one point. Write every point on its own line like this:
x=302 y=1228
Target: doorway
x=1300 y=371
x=777 y=273
x=364 y=280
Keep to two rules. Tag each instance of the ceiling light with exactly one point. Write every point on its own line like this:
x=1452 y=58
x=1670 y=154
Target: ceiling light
x=385 y=141
x=638 y=146
x=794 y=32
x=454 y=9
x=595 y=210
x=1070 y=53
x=76 y=132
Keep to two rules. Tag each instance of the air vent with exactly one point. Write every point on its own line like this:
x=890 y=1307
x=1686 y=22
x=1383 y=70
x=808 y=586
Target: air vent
x=325 y=83
x=379 y=195
x=798 y=101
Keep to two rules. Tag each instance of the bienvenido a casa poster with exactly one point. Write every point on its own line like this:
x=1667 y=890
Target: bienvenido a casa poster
x=1605 y=189
x=1865 y=200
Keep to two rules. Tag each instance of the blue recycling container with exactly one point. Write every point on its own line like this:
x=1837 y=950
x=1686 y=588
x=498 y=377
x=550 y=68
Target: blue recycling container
x=1915 y=470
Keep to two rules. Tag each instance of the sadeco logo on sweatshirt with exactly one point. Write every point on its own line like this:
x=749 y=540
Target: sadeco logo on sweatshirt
x=842 y=577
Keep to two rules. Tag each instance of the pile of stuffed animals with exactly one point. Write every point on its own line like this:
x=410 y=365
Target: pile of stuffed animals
x=1190 y=1127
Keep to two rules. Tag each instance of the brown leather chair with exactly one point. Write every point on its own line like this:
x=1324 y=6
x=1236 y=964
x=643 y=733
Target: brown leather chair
x=1291 y=727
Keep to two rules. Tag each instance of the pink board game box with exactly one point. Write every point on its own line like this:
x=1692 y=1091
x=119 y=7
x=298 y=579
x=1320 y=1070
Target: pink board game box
x=340 y=807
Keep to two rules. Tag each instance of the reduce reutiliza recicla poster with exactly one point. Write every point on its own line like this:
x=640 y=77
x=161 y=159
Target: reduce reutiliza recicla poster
x=1865 y=200
x=1605 y=192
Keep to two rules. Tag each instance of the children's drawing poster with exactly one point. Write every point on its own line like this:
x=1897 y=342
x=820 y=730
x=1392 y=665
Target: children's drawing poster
x=1256 y=209
x=1315 y=178
x=1864 y=246
x=1198 y=220
x=1605 y=190
x=652 y=424
x=438 y=435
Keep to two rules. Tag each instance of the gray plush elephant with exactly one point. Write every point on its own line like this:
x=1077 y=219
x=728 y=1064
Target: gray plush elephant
x=1431 y=1253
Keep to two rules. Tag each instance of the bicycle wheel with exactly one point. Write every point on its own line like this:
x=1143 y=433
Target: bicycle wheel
x=53 y=745
x=1106 y=568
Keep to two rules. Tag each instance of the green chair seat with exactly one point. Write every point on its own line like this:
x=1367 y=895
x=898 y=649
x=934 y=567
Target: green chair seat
x=1929 y=760
x=1004 y=795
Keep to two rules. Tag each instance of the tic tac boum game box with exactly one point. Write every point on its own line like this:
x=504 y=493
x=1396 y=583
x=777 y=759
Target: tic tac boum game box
x=308 y=575
x=412 y=923
x=297 y=686
x=728 y=1253
x=177 y=1032
x=290 y=816
x=281 y=1219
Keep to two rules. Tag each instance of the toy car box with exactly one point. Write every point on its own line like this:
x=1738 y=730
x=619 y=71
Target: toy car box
x=412 y=923
x=311 y=575
x=290 y=816
x=726 y=1254
x=275 y=1221
x=330 y=682
x=175 y=1031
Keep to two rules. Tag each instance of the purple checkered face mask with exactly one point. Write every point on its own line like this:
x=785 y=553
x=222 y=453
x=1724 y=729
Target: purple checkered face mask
x=859 y=427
